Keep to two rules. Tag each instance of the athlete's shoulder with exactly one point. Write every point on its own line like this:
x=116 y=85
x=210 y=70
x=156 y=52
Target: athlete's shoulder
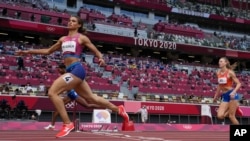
x=84 y=39
x=231 y=72
x=62 y=38
x=217 y=72
x=82 y=36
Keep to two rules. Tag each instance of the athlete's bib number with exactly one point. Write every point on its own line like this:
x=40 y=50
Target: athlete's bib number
x=69 y=46
x=222 y=80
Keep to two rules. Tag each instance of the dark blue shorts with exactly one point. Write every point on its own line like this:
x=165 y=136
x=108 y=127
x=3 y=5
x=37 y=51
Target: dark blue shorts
x=226 y=96
x=77 y=69
x=72 y=95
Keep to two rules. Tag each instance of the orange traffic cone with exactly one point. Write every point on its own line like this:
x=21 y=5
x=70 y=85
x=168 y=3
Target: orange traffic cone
x=128 y=126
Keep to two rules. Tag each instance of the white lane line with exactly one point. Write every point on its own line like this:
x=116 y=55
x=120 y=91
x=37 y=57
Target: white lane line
x=131 y=137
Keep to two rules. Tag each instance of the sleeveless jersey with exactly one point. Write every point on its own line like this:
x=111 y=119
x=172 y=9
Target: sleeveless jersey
x=224 y=80
x=71 y=47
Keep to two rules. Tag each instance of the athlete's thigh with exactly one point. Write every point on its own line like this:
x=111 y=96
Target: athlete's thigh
x=223 y=108
x=63 y=83
x=81 y=101
x=66 y=100
x=233 y=105
x=84 y=91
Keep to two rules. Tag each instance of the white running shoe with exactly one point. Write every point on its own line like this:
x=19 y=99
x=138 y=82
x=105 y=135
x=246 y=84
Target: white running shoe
x=49 y=127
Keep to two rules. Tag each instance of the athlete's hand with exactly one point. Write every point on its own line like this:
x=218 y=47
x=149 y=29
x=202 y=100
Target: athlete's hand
x=215 y=99
x=101 y=62
x=232 y=94
x=21 y=52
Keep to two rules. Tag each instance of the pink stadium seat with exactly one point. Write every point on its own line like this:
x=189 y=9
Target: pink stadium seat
x=34 y=82
x=109 y=68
